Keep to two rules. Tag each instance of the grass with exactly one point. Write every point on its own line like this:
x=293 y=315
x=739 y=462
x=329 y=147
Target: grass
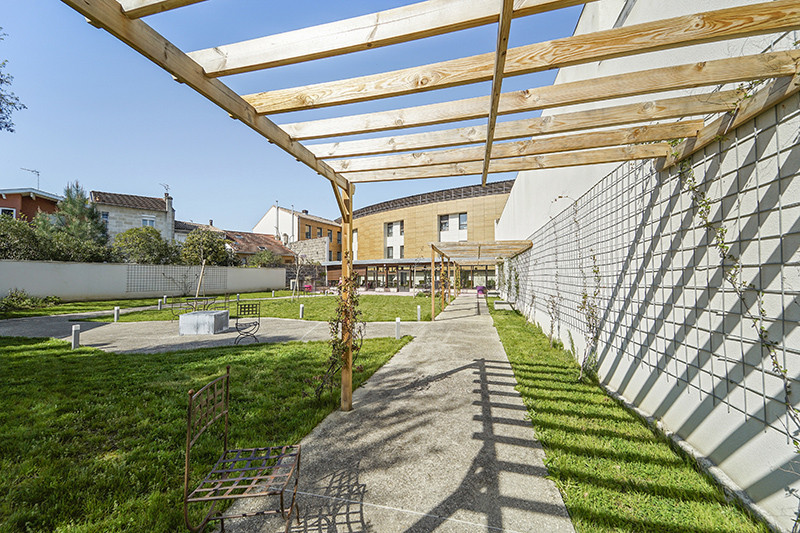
x=374 y=308
x=93 y=442
x=108 y=305
x=614 y=472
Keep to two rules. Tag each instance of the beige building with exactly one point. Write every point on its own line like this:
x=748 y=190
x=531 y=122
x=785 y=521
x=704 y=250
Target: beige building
x=121 y=212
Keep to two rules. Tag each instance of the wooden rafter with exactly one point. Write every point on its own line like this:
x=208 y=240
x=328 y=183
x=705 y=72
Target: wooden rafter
x=402 y=24
x=503 y=30
x=536 y=146
x=479 y=252
x=705 y=73
x=516 y=164
x=141 y=8
x=682 y=106
x=766 y=97
x=768 y=17
x=142 y=38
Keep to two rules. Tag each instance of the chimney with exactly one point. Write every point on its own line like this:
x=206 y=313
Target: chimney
x=210 y=221
x=169 y=234
x=305 y=211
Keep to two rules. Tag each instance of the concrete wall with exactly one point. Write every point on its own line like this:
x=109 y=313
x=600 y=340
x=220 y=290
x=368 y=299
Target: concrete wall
x=676 y=339
x=315 y=250
x=92 y=281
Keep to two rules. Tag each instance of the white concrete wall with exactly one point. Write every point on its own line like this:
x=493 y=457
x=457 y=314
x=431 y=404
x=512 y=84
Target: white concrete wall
x=92 y=281
x=278 y=222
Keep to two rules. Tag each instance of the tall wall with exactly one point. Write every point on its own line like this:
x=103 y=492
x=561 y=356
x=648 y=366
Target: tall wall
x=678 y=329
x=92 y=281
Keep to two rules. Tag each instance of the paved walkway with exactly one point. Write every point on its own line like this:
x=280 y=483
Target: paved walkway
x=437 y=441
x=162 y=336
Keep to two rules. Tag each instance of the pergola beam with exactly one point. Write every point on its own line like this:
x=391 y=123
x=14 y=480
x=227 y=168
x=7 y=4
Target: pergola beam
x=705 y=73
x=503 y=29
x=134 y=9
x=768 y=96
x=145 y=40
x=743 y=21
x=516 y=164
x=393 y=26
x=682 y=106
x=536 y=146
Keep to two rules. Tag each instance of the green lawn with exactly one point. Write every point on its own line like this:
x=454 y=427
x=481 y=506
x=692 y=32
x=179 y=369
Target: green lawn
x=108 y=305
x=374 y=308
x=614 y=473
x=93 y=442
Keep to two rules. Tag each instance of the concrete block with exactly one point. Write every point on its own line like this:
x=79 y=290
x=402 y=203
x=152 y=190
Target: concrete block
x=203 y=322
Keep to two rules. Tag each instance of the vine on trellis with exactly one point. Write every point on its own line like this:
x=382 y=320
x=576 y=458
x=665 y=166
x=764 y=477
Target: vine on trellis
x=732 y=272
x=591 y=313
x=347 y=318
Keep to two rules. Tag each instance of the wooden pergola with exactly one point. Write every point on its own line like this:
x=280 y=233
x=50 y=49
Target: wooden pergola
x=611 y=132
x=456 y=255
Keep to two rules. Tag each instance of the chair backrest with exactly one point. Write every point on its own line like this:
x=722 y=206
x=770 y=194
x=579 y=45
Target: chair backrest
x=248 y=309
x=207 y=406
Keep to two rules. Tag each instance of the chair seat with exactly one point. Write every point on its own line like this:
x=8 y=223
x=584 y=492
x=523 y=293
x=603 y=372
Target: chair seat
x=248 y=472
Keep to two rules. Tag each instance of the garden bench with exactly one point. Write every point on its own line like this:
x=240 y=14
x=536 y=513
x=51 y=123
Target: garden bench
x=179 y=306
x=238 y=473
x=248 y=320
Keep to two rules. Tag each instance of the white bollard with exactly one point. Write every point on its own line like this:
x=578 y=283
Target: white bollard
x=160 y=305
x=116 y=314
x=419 y=314
x=76 y=337
x=237 y=297
x=273 y=294
x=302 y=310
x=165 y=298
x=397 y=328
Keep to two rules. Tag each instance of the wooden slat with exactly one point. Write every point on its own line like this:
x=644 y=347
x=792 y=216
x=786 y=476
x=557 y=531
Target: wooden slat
x=497 y=80
x=594 y=118
x=402 y=24
x=536 y=146
x=768 y=17
x=149 y=43
x=569 y=159
x=134 y=9
x=765 y=98
x=706 y=73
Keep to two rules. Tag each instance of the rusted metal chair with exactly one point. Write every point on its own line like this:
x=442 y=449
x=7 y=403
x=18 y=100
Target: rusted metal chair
x=248 y=320
x=238 y=473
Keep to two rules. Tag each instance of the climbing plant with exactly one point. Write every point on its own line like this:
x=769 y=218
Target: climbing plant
x=732 y=274
x=591 y=313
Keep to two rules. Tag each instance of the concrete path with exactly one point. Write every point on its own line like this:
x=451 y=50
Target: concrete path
x=437 y=441
x=162 y=336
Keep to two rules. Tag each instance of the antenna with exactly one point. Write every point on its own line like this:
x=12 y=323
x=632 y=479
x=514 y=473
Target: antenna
x=35 y=172
x=166 y=187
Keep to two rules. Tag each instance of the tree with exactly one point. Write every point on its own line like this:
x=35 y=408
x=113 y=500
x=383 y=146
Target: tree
x=8 y=100
x=144 y=245
x=205 y=244
x=18 y=240
x=76 y=217
x=265 y=258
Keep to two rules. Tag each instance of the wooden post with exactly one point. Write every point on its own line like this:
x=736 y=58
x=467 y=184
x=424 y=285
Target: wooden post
x=433 y=284
x=441 y=279
x=347 y=269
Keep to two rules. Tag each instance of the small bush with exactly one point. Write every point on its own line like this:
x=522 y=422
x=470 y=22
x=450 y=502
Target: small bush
x=19 y=299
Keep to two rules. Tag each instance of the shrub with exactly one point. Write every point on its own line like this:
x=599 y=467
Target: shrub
x=19 y=241
x=145 y=245
x=19 y=299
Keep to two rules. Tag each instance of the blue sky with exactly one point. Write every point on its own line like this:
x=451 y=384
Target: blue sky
x=100 y=113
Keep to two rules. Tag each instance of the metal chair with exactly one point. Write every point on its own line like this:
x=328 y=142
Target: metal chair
x=238 y=473
x=246 y=326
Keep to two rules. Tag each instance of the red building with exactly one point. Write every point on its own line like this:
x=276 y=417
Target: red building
x=25 y=204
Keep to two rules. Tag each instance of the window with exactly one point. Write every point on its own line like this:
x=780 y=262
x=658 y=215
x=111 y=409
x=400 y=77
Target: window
x=148 y=221
x=444 y=222
x=389 y=229
x=308 y=231
x=330 y=235
x=462 y=221
x=104 y=217
x=402 y=250
x=8 y=212
x=338 y=237
x=330 y=255
x=389 y=252
x=338 y=256
x=402 y=232
x=319 y=232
